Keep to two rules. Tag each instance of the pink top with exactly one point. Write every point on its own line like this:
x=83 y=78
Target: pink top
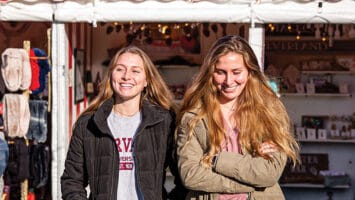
x=231 y=145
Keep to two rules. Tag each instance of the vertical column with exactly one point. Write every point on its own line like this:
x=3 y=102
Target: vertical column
x=257 y=42
x=60 y=79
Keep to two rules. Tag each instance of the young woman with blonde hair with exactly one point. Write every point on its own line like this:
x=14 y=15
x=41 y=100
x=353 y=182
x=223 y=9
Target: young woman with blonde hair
x=123 y=142
x=233 y=133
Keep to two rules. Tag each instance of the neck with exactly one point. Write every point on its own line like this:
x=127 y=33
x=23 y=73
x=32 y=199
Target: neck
x=126 y=109
x=228 y=107
x=227 y=111
x=125 y=113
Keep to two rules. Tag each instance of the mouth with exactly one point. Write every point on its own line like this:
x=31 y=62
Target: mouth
x=126 y=85
x=229 y=88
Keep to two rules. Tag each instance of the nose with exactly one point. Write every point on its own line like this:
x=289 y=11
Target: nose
x=126 y=75
x=229 y=79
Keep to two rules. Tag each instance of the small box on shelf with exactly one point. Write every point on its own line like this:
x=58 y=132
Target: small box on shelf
x=322 y=134
x=301 y=133
x=311 y=88
x=311 y=134
x=300 y=88
x=343 y=88
x=334 y=133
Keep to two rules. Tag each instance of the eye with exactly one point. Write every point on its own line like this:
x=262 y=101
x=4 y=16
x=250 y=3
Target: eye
x=236 y=72
x=119 y=69
x=136 y=71
x=219 y=72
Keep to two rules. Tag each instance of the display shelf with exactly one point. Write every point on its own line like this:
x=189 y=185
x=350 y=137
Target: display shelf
x=310 y=185
x=315 y=95
x=176 y=66
x=352 y=141
x=328 y=72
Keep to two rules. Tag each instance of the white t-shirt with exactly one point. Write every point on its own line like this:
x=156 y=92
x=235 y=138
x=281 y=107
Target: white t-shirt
x=123 y=129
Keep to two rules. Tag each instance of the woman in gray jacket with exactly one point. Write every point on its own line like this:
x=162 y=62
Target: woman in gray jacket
x=233 y=132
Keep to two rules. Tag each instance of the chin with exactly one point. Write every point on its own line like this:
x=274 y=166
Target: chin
x=229 y=97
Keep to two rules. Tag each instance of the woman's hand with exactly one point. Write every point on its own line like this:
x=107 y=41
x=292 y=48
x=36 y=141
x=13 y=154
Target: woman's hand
x=267 y=148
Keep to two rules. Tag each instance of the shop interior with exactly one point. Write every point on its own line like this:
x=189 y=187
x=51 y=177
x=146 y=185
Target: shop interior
x=312 y=66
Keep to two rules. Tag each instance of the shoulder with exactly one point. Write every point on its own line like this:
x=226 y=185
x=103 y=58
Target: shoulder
x=82 y=121
x=189 y=117
x=157 y=111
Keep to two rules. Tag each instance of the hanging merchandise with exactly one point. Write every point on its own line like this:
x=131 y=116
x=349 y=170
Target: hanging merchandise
x=16 y=69
x=2 y=86
x=17 y=169
x=35 y=71
x=4 y=153
x=39 y=165
x=31 y=195
x=37 y=130
x=44 y=68
x=16 y=114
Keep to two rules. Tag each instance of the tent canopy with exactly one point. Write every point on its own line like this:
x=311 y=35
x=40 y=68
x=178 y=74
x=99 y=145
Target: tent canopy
x=236 y=11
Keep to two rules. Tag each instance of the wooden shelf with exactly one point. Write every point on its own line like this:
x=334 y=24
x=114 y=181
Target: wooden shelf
x=310 y=185
x=329 y=72
x=176 y=66
x=315 y=95
x=351 y=141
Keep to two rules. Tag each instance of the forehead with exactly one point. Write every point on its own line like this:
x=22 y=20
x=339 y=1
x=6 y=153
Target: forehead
x=130 y=59
x=230 y=59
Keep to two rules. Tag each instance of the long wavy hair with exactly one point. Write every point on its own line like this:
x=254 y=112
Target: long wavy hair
x=260 y=115
x=157 y=92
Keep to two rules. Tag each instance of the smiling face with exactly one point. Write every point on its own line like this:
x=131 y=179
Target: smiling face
x=128 y=77
x=230 y=77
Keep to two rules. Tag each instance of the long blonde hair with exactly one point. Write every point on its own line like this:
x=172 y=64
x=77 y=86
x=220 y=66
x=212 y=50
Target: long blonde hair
x=157 y=92
x=260 y=115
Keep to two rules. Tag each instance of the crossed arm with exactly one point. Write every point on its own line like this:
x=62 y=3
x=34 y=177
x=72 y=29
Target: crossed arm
x=233 y=173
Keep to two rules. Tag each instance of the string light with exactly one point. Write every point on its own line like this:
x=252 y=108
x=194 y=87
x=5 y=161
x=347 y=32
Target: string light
x=298 y=37
x=289 y=28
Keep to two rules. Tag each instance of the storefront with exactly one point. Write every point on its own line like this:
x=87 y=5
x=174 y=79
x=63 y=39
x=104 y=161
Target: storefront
x=80 y=31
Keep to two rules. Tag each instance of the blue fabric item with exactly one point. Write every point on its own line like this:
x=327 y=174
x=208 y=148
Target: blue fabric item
x=4 y=154
x=37 y=129
x=44 y=69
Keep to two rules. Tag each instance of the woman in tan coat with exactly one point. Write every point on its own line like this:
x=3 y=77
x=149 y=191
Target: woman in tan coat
x=233 y=132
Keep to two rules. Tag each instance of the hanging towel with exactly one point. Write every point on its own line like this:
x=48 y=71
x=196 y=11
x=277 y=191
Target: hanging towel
x=16 y=69
x=16 y=114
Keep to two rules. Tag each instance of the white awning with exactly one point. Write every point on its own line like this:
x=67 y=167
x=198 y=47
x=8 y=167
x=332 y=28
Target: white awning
x=236 y=11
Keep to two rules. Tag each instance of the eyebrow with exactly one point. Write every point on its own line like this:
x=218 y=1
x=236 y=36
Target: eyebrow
x=133 y=66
